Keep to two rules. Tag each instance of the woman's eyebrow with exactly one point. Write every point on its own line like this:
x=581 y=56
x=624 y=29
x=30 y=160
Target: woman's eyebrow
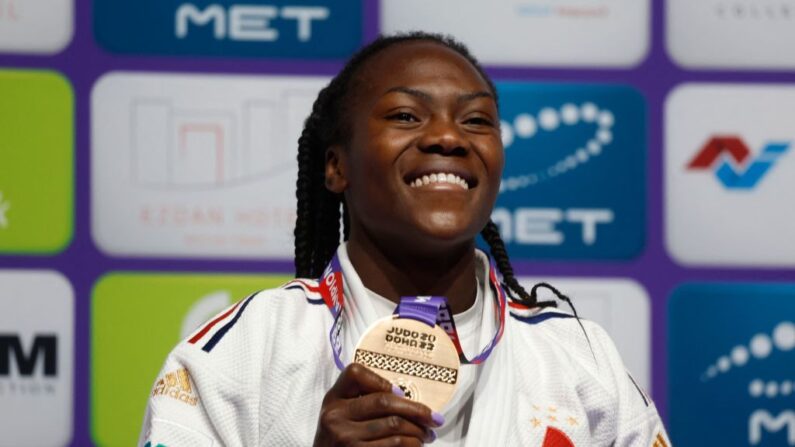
x=470 y=96
x=411 y=91
x=427 y=96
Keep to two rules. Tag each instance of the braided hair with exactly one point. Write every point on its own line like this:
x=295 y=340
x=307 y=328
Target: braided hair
x=317 y=224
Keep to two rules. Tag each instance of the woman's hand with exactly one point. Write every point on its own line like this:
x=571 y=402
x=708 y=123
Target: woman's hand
x=362 y=408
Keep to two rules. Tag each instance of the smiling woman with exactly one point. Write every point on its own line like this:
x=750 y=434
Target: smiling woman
x=399 y=323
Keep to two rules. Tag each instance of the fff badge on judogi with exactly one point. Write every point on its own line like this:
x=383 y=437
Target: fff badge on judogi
x=413 y=352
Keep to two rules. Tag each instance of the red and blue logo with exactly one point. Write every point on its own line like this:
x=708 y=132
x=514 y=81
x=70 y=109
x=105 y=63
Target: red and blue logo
x=730 y=159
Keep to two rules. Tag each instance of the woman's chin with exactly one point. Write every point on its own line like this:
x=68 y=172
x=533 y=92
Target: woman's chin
x=447 y=229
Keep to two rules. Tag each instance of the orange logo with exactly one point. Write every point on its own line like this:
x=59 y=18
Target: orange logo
x=659 y=441
x=176 y=385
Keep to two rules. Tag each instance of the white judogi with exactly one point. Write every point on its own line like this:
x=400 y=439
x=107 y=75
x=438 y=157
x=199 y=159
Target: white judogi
x=256 y=376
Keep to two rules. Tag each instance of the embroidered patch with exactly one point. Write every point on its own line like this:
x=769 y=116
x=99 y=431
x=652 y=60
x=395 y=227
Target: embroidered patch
x=659 y=440
x=176 y=385
x=548 y=419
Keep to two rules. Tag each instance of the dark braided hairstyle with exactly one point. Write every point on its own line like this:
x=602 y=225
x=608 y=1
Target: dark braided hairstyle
x=317 y=224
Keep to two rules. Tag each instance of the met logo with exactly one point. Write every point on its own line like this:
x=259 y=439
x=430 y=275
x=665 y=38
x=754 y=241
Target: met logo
x=574 y=178
x=730 y=159
x=542 y=226
x=231 y=28
x=248 y=22
x=761 y=421
x=735 y=386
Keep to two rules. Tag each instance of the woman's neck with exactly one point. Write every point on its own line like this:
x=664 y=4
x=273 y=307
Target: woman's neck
x=393 y=271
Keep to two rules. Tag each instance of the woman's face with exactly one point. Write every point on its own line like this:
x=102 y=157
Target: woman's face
x=419 y=109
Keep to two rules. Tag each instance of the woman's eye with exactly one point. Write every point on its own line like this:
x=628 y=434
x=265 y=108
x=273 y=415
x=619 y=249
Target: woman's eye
x=479 y=121
x=403 y=116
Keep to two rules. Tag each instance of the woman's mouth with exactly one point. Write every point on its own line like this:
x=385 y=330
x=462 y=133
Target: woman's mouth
x=440 y=178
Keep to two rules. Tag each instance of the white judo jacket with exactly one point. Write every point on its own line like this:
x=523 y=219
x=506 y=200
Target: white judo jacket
x=256 y=374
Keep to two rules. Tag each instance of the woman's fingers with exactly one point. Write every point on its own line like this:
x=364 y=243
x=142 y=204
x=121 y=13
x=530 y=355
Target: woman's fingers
x=393 y=441
x=337 y=428
x=390 y=426
x=362 y=408
x=356 y=380
x=377 y=405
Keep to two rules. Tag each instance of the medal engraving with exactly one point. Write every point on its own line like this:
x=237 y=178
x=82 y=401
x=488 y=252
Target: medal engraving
x=404 y=366
x=419 y=359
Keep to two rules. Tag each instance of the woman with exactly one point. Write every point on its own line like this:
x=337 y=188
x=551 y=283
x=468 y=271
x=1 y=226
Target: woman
x=406 y=141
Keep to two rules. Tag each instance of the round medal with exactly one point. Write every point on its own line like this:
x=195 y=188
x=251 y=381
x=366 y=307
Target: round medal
x=419 y=359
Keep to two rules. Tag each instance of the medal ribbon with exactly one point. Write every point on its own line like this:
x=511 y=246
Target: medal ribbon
x=427 y=309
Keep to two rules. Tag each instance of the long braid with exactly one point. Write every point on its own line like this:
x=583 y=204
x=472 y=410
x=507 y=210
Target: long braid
x=346 y=222
x=310 y=181
x=329 y=219
x=491 y=234
x=304 y=223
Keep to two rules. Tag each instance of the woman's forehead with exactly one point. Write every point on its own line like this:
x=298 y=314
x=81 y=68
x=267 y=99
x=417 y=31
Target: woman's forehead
x=409 y=63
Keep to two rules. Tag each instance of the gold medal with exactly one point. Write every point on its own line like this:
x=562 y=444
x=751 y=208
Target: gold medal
x=419 y=359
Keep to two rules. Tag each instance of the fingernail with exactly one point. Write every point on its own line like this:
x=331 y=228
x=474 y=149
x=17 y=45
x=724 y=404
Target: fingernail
x=397 y=391
x=437 y=418
x=430 y=437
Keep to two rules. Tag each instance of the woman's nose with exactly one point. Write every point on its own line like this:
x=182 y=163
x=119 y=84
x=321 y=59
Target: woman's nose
x=443 y=136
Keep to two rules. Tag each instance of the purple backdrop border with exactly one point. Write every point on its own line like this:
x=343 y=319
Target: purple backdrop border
x=82 y=263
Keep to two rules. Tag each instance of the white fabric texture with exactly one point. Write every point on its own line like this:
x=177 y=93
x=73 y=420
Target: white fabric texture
x=258 y=372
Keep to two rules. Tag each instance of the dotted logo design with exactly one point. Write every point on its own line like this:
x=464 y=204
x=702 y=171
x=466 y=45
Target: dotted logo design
x=759 y=347
x=196 y=165
x=728 y=157
x=744 y=34
x=728 y=161
x=559 y=196
x=744 y=394
x=613 y=33
x=526 y=126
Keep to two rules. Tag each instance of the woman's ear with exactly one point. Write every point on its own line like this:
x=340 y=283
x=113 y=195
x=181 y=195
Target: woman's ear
x=336 y=181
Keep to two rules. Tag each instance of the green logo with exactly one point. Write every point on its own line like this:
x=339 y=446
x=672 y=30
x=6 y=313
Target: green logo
x=136 y=319
x=36 y=161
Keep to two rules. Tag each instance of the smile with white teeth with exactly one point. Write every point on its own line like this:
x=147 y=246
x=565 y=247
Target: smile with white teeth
x=441 y=177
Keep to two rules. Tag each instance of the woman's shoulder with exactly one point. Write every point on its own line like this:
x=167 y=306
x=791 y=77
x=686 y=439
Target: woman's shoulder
x=219 y=369
x=249 y=329
x=566 y=336
x=553 y=319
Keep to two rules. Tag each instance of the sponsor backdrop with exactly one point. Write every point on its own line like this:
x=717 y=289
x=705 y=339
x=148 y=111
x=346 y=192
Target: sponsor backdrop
x=147 y=170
